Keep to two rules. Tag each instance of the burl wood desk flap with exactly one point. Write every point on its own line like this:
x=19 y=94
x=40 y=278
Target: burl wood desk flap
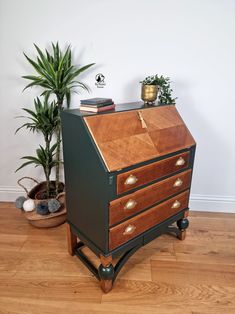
x=129 y=137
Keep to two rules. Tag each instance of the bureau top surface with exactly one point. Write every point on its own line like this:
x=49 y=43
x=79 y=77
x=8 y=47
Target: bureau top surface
x=119 y=107
x=133 y=133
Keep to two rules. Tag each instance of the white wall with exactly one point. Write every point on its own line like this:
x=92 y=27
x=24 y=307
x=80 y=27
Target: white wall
x=190 y=41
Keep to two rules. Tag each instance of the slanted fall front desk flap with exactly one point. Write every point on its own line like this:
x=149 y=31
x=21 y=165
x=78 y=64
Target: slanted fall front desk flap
x=130 y=137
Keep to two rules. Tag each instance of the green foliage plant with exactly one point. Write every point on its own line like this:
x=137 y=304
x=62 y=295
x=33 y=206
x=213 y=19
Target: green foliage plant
x=165 y=90
x=43 y=119
x=58 y=77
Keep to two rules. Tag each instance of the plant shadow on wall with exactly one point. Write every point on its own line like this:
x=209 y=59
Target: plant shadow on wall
x=58 y=77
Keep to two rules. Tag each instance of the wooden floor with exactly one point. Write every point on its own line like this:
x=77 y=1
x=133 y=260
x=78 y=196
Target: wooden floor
x=196 y=276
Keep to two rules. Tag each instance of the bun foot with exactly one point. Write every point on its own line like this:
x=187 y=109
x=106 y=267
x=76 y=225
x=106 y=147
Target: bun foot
x=181 y=235
x=182 y=225
x=106 y=285
x=106 y=273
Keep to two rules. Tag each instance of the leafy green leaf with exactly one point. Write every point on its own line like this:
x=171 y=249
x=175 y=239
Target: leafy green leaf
x=56 y=74
x=24 y=164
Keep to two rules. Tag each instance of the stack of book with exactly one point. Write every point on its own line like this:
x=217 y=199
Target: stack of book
x=97 y=104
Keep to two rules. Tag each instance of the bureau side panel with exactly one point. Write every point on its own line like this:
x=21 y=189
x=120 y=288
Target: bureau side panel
x=86 y=182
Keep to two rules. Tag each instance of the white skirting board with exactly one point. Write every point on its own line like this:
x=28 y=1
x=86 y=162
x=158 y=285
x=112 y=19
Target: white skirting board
x=198 y=202
x=212 y=203
x=10 y=193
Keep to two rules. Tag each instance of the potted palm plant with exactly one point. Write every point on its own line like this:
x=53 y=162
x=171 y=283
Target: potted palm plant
x=58 y=78
x=43 y=119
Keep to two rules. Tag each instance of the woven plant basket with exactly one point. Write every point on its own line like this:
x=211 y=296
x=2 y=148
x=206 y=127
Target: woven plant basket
x=37 y=193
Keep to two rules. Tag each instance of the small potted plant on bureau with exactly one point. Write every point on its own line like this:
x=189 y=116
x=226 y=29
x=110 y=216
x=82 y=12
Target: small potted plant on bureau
x=154 y=87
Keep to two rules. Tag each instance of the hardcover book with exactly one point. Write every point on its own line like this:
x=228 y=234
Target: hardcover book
x=95 y=101
x=97 y=105
x=100 y=109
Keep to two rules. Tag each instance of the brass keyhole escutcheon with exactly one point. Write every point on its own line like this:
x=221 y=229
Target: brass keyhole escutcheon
x=143 y=123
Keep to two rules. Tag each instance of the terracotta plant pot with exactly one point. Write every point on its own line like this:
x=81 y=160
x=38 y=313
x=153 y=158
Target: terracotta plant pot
x=38 y=194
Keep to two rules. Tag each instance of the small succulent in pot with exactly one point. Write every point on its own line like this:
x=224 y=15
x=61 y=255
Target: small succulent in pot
x=164 y=88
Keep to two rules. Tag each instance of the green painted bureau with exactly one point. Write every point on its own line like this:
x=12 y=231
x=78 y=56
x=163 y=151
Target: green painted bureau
x=128 y=176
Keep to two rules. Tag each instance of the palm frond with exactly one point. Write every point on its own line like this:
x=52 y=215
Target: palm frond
x=55 y=73
x=24 y=164
x=44 y=118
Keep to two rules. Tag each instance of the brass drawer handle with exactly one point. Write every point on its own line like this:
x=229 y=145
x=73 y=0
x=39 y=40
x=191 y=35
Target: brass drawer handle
x=176 y=204
x=178 y=182
x=131 y=180
x=130 y=204
x=129 y=229
x=180 y=161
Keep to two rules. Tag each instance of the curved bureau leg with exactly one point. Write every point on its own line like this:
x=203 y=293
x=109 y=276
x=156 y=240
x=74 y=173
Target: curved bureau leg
x=182 y=225
x=106 y=273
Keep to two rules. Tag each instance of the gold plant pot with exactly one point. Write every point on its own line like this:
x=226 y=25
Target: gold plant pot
x=149 y=93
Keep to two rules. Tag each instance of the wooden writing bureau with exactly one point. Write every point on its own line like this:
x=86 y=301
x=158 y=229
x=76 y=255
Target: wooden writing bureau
x=127 y=175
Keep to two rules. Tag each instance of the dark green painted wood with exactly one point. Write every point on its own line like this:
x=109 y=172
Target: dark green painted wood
x=86 y=182
x=106 y=273
x=162 y=227
x=83 y=258
x=183 y=223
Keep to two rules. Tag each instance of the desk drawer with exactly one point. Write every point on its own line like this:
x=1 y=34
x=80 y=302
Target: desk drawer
x=129 y=229
x=145 y=174
x=130 y=204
